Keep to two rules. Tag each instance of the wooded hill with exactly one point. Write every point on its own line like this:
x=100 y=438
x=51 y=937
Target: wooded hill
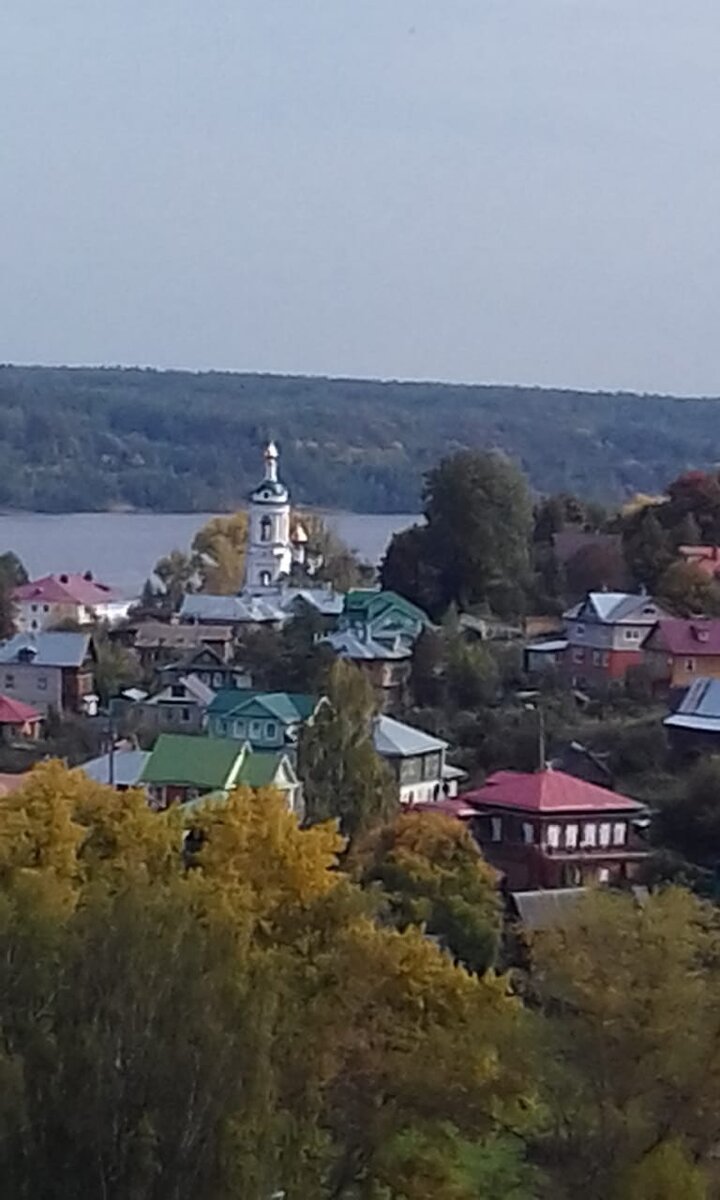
x=93 y=439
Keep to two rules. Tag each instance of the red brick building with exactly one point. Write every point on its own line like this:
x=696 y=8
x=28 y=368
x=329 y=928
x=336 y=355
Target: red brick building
x=605 y=634
x=550 y=830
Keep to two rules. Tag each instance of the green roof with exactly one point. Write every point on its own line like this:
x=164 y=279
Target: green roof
x=259 y=769
x=286 y=707
x=201 y=762
x=370 y=603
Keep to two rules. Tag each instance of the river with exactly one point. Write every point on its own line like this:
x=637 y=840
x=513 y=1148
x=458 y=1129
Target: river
x=122 y=548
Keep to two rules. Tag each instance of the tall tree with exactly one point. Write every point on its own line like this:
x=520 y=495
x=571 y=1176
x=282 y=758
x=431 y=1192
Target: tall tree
x=476 y=538
x=177 y=573
x=218 y=552
x=433 y=875
x=343 y=776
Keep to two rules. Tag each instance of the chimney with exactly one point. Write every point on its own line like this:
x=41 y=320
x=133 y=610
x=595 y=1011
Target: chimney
x=88 y=576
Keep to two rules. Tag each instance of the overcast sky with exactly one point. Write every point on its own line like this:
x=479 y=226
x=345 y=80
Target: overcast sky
x=482 y=190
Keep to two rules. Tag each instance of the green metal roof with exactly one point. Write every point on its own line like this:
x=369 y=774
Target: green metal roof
x=259 y=769
x=286 y=707
x=370 y=603
x=201 y=762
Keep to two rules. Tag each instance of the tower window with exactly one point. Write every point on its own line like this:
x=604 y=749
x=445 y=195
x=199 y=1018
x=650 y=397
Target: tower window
x=265 y=529
x=265 y=579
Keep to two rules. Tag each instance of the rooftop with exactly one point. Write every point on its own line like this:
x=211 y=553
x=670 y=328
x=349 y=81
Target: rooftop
x=14 y=712
x=699 y=709
x=202 y=762
x=394 y=739
x=548 y=791
x=286 y=707
x=127 y=767
x=692 y=636
x=611 y=608
x=47 y=649
x=154 y=634
x=351 y=645
x=69 y=589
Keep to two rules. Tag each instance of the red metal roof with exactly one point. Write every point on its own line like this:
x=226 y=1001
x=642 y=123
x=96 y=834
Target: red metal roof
x=691 y=636
x=547 y=791
x=14 y=712
x=59 y=589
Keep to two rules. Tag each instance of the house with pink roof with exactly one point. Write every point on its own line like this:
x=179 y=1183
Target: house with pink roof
x=547 y=829
x=59 y=599
x=679 y=650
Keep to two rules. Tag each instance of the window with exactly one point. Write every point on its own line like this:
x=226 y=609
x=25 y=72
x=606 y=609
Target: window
x=605 y=831
x=632 y=635
x=528 y=833
x=431 y=766
x=271 y=729
x=603 y=875
x=9 y=681
x=605 y=658
x=578 y=656
x=46 y=608
x=217 y=679
x=33 y=608
x=411 y=770
x=553 y=836
x=596 y=658
x=589 y=837
x=239 y=729
x=265 y=529
x=185 y=714
x=496 y=829
x=619 y=833
x=264 y=579
x=689 y=664
x=571 y=837
x=42 y=683
x=256 y=729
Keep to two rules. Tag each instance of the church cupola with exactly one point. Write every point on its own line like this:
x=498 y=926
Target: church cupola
x=269 y=553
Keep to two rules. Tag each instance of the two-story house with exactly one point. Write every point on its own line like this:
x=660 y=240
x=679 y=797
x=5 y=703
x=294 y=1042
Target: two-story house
x=75 y=599
x=51 y=670
x=382 y=615
x=385 y=663
x=207 y=665
x=548 y=830
x=417 y=761
x=679 y=650
x=267 y=720
x=180 y=706
x=182 y=769
x=605 y=633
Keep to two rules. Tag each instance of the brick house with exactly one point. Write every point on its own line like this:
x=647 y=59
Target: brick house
x=549 y=830
x=605 y=633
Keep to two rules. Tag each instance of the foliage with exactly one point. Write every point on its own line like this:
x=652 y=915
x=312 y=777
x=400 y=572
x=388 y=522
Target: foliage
x=595 y=567
x=291 y=658
x=78 y=439
x=433 y=875
x=115 y=668
x=13 y=572
x=474 y=545
x=686 y=590
x=629 y=1054
x=218 y=553
x=344 y=777
x=232 y=1029
x=690 y=822
x=177 y=573
x=328 y=559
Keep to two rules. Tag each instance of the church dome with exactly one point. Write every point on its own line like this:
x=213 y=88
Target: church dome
x=270 y=490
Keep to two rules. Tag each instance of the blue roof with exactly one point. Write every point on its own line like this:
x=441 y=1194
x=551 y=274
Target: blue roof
x=700 y=708
x=350 y=645
x=394 y=739
x=127 y=768
x=54 y=648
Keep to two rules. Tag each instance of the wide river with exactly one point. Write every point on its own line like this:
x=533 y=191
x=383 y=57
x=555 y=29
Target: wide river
x=122 y=548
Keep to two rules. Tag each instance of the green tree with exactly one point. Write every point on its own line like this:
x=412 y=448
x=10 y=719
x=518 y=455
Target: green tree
x=343 y=776
x=13 y=572
x=628 y=1046
x=433 y=875
x=474 y=548
x=647 y=547
x=177 y=573
x=328 y=559
x=686 y=590
x=690 y=822
x=115 y=668
x=218 y=554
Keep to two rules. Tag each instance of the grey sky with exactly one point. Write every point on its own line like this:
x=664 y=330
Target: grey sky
x=487 y=190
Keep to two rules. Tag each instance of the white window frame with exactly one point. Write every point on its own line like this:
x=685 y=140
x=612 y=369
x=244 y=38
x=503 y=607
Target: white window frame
x=572 y=833
x=552 y=836
x=496 y=829
x=604 y=834
x=619 y=833
x=589 y=835
x=578 y=654
x=528 y=833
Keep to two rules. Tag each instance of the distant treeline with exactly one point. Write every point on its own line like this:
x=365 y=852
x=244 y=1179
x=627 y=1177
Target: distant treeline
x=92 y=439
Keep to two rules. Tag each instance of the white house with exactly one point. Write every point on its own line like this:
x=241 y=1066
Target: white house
x=47 y=602
x=417 y=760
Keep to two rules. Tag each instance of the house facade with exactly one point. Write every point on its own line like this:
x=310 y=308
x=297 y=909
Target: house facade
x=605 y=633
x=372 y=613
x=51 y=670
x=179 y=707
x=550 y=830
x=267 y=720
x=677 y=651
x=79 y=599
x=207 y=665
x=386 y=663
x=695 y=723
x=18 y=720
x=157 y=644
x=417 y=761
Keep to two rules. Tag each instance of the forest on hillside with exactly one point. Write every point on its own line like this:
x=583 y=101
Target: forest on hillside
x=90 y=439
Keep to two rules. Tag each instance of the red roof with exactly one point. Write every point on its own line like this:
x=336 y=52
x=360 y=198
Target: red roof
x=547 y=791
x=692 y=636
x=13 y=712
x=59 y=589
x=449 y=806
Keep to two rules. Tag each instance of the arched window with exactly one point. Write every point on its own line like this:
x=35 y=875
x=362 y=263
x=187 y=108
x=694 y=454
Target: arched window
x=265 y=579
x=265 y=529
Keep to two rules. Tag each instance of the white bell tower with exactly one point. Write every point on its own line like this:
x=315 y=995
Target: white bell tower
x=269 y=553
